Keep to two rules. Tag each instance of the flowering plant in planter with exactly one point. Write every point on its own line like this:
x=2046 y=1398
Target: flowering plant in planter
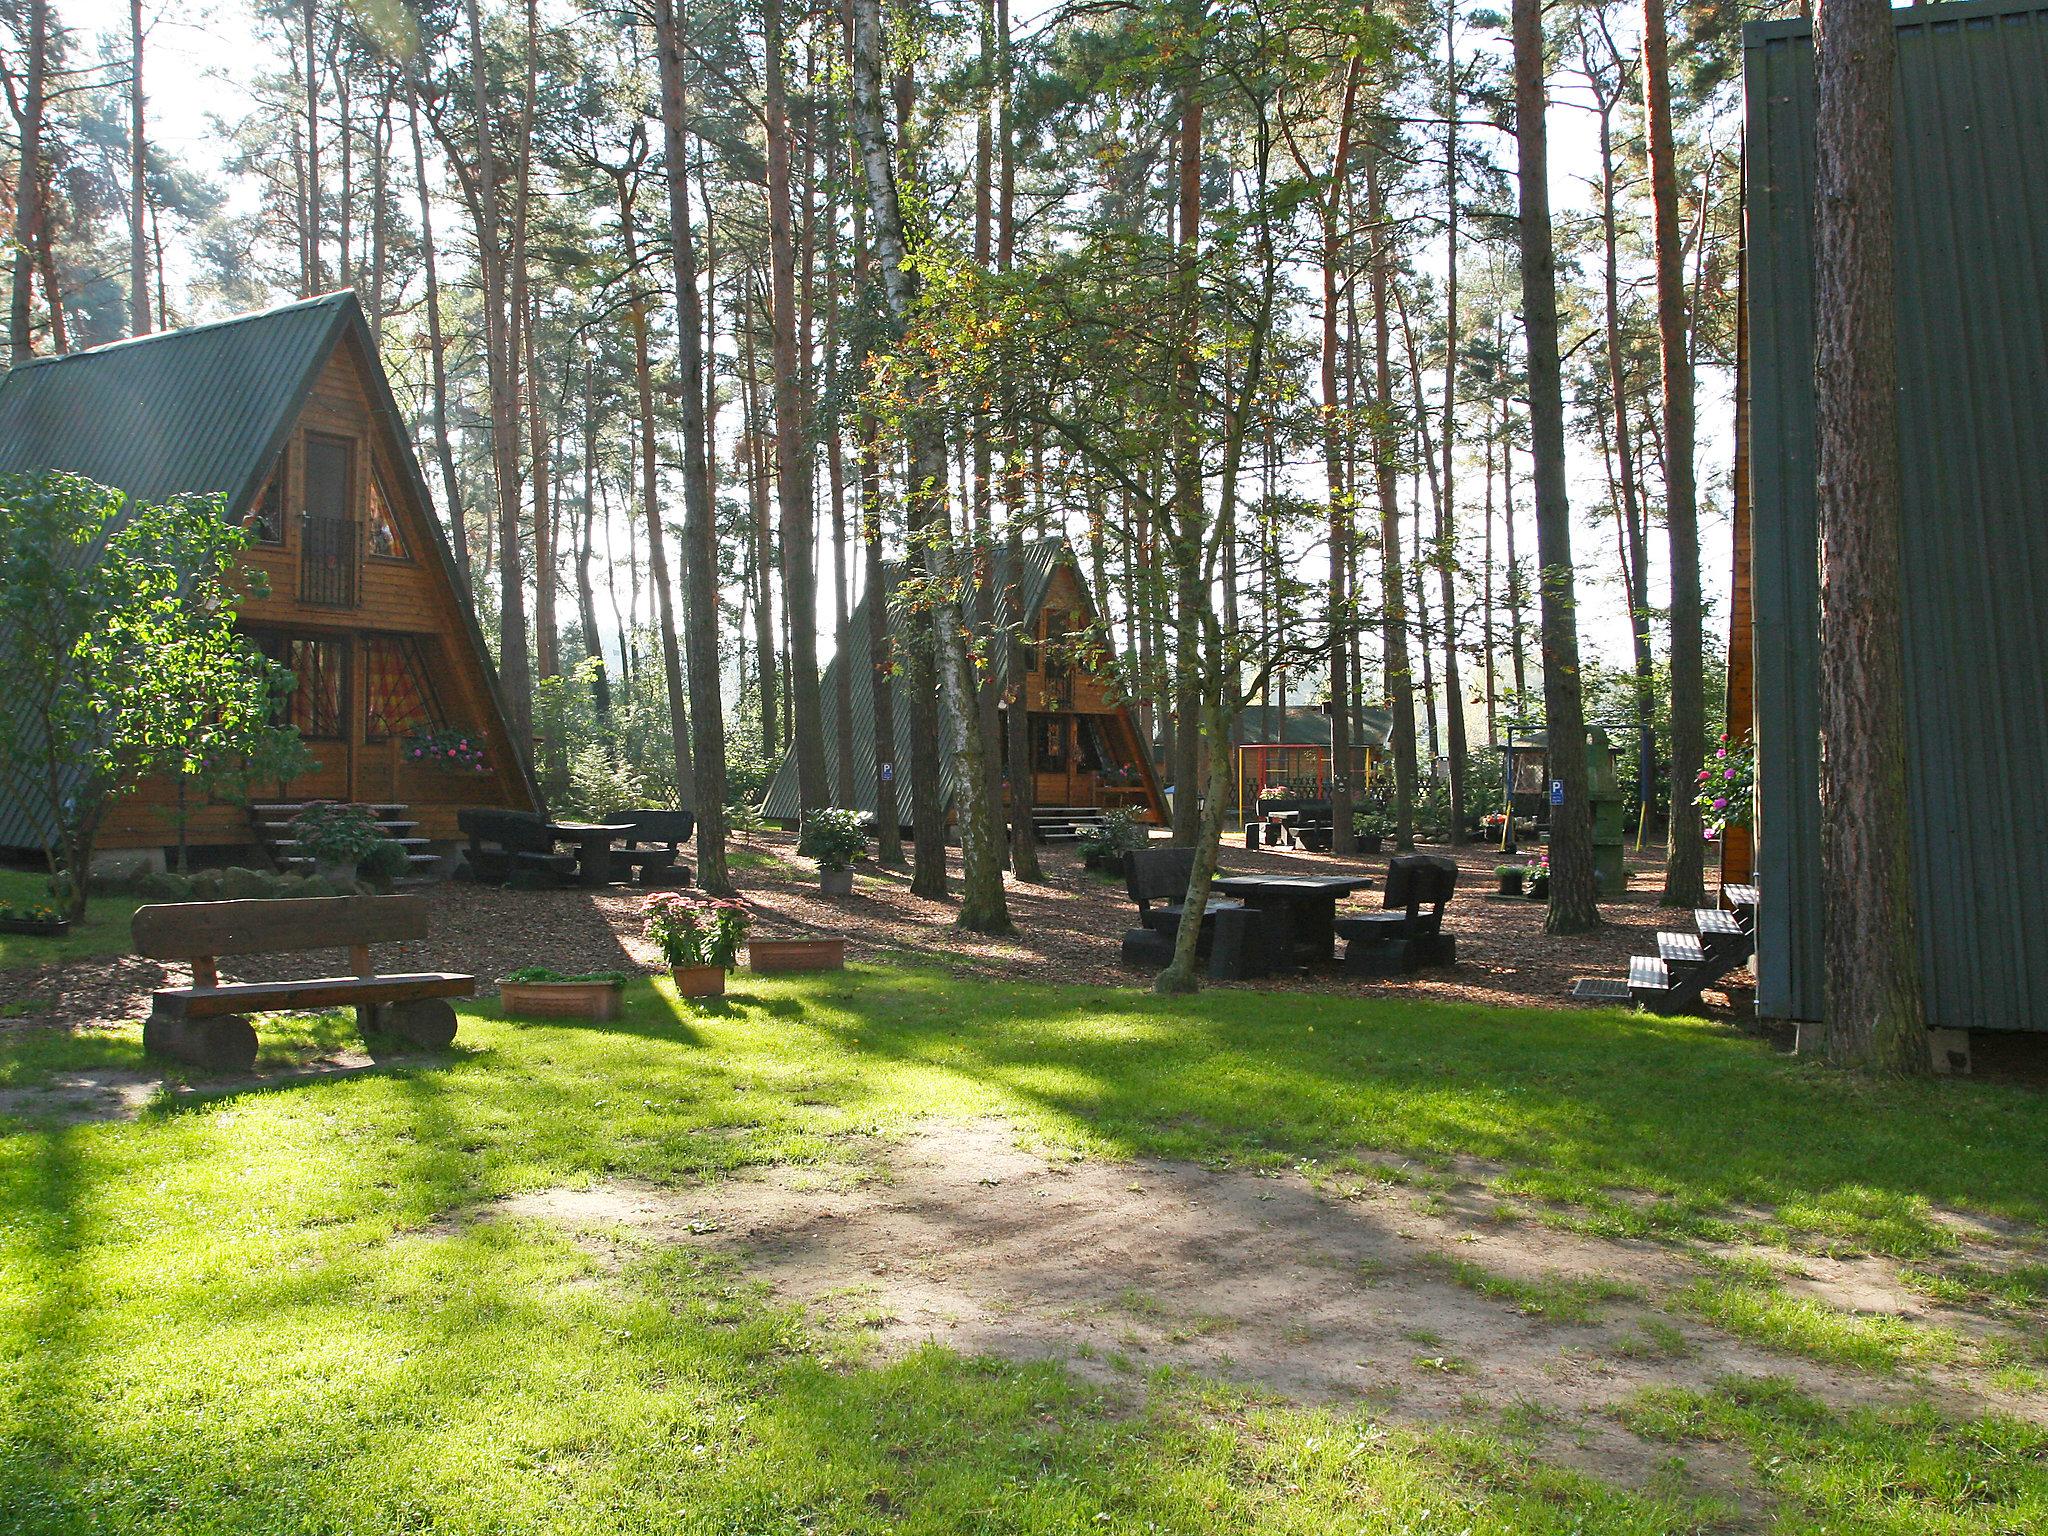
x=1727 y=789
x=453 y=751
x=35 y=917
x=694 y=930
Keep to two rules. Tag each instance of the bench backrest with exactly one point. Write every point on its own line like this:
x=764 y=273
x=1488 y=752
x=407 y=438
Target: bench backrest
x=1418 y=880
x=1158 y=874
x=193 y=930
x=514 y=831
x=659 y=826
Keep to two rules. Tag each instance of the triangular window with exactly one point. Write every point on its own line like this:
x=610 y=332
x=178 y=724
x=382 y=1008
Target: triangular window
x=386 y=542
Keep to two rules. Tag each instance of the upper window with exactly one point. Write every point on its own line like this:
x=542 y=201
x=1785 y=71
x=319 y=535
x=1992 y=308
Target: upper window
x=265 y=522
x=381 y=527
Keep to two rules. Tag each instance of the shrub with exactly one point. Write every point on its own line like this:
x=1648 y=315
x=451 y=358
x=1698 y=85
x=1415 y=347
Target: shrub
x=1118 y=833
x=336 y=834
x=602 y=781
x=536 y=974
x=247 y=884
x=165 y=886
x=1372 y=823
x=834 y=835
x=695 y=930
x=385 y=863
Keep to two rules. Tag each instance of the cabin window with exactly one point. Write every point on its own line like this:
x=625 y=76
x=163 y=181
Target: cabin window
x=265 y=522
x=398 y=687
x=380 y=528
x=317 y=704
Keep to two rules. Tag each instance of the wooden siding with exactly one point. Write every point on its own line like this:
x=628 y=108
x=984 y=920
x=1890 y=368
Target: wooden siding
x=395 y=597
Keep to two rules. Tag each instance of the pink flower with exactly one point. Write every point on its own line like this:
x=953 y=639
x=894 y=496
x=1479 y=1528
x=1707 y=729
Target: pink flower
x=1720 y=805
x=1727 y=773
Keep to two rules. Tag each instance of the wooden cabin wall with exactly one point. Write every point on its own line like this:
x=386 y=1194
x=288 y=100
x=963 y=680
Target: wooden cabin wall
x=395 y=597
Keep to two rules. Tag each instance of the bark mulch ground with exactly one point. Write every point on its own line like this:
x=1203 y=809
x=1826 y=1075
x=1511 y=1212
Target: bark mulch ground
x=1067 y=929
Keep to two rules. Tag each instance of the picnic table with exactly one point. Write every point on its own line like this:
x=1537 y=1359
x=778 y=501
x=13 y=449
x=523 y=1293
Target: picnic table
x=1310 y=902
x=593 y=840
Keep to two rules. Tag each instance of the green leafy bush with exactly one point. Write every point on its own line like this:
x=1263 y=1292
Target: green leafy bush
x=834 y=835
x=535 y=975
x=385 y=863
x=337 y=834
x=1118 y=833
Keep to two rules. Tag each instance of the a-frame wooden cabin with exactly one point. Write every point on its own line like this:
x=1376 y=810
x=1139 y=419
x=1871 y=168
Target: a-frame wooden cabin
x=1087 y=751
x=287 y=414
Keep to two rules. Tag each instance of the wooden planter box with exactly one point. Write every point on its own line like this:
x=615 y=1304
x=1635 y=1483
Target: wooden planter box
x=770 y=955
x=36 y=927
x=598 y=1001
x=699 y=980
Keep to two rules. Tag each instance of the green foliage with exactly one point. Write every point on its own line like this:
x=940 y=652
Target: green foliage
x=385 y=862
x=1727 y=789
x=337 y=834
x=1372 y=823
x=834 y=835
x=602 y=782
x=121 y=652
x=1118 y=833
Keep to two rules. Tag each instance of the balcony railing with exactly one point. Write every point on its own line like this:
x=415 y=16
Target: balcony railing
x=329 y=560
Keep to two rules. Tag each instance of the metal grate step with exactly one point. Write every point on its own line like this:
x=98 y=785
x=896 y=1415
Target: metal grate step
x=1600 y=990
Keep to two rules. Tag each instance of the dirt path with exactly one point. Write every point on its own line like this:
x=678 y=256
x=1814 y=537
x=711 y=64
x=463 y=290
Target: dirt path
x=1420 y=1306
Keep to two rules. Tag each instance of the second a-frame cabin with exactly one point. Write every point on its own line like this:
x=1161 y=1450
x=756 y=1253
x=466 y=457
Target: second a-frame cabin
x=1087 y=751
x=287 y=414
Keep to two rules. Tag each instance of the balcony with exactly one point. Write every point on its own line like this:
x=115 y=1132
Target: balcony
x=330 y=559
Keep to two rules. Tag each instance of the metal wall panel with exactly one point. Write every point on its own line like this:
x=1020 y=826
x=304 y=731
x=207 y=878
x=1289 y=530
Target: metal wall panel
x=1972 y=242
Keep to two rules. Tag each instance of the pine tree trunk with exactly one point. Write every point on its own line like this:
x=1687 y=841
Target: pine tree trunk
x=1572 y=895
x=29 y=212
x=1447 y=506
x=1872 y=1010
x=444 y=452
x=1385 y=452
x=1684 y=883
x=1342 y=499
x=138 y=192
x=793 y=463
x=700 y=551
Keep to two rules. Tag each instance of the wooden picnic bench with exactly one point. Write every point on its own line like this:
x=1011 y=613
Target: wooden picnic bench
x=1157 y=881
x=1409 y=933
x=505 y=846
x=207 y=1023
x=663 y=833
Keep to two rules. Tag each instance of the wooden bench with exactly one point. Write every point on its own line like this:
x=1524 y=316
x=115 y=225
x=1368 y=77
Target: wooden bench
x=207 y=1023
x=664 y=832
x=509 y=846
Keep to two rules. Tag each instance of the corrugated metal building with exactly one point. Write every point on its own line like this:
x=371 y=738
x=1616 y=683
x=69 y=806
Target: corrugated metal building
x=1972 y=181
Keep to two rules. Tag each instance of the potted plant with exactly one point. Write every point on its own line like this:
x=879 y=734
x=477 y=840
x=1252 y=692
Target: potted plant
x=336 y=837
x=1510 y=877
x=40 y=919
x=835 y=836
x=768 y=956
x=1371 y=828
x=699 y=937
x=1538 y=888
x=535 y=992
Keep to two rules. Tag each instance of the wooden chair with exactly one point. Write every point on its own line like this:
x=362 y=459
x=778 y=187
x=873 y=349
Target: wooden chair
x=512 y=846
x=1405 y=937
x=663 y=832
x=207 y=1023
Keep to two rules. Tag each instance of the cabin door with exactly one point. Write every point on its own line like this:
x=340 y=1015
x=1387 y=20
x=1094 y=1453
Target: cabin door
x=1060 y=775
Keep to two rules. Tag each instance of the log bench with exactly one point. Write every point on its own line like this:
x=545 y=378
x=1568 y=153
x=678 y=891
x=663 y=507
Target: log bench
x=207 y=1023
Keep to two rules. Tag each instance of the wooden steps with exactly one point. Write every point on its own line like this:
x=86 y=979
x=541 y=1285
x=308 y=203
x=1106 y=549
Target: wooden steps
x=272 y=822
x=1686 y=964
x=1063 y=823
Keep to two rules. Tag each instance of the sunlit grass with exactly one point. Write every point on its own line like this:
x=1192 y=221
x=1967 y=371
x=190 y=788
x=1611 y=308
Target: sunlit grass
x=250 y=1312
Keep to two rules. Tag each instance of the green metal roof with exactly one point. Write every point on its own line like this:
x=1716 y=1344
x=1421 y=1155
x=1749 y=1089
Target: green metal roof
x=202 y=410
x=1308 y=725
x=1042 y=558
x=199 y=410
x=1972 y=297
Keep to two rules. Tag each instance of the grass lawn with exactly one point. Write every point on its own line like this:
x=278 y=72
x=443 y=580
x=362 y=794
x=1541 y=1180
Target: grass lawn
x=249 y=1313
x=104 y=931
